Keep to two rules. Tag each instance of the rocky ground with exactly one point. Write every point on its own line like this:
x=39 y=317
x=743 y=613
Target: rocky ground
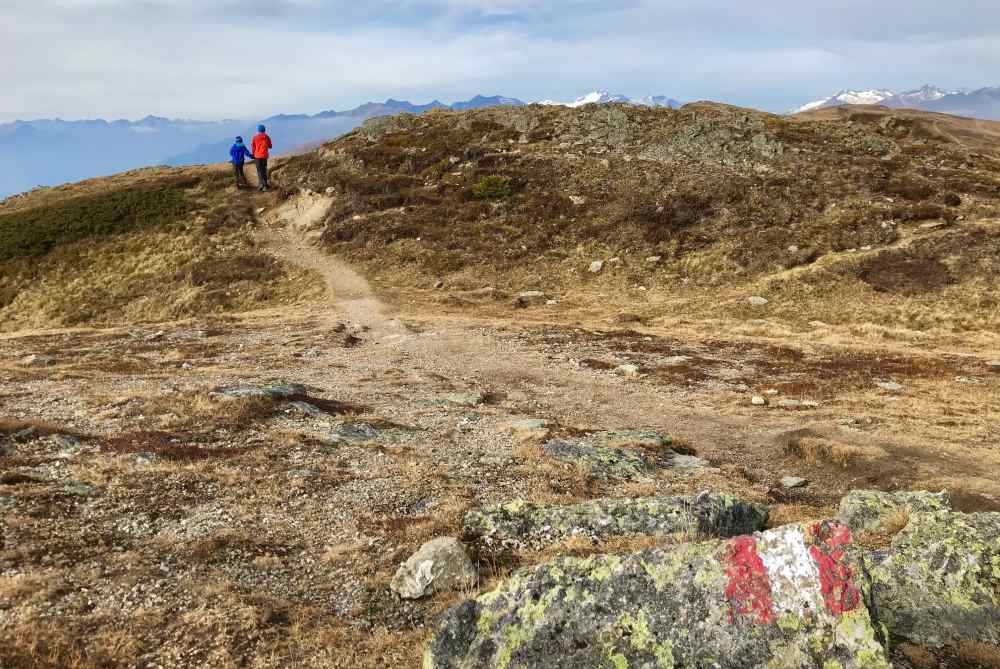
x=241 y=491
x=525 y=390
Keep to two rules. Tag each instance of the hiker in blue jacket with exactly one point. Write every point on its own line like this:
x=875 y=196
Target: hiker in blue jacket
x=238 y=153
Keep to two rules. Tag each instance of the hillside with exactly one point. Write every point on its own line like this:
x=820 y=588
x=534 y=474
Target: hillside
x=528 y=387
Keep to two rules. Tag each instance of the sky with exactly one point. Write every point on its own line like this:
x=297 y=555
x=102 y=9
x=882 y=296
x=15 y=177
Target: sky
x=214 y=59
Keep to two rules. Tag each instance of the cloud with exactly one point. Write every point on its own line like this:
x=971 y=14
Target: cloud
x=252 y=58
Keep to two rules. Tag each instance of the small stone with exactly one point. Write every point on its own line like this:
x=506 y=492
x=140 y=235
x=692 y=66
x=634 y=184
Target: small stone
x=529 y=298
x=528 y=429
x=628 y=370
x=674 y=360
x=438 y=284
x=330 y=190
x=793 y=482
x=472 y=399
x=652 y=260
x=78 y=489
x=144 y=459
x=36 y=360
x=890 y=386
x=790 y=404
x=758 y=301
x=793 y=249
x=551 y=303
x=440 y=565
x=772 y=392
x=352 y=433
x=578 y=200
x=302 y=473
x=596 y=267
x=758 y=401
x=819 y=325
x=994 y=364
x=933 y=225
x=306 y=409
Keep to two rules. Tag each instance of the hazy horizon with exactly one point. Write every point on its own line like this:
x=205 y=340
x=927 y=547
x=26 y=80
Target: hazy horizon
x=218 y=60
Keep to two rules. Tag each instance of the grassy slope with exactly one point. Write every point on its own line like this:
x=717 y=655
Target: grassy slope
x=154 y=245
x=824 y=215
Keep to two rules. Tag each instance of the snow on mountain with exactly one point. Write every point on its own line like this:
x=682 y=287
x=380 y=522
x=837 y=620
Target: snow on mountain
x=848 y=97
x=604 y=97
x=925 y=93
x=879 y=96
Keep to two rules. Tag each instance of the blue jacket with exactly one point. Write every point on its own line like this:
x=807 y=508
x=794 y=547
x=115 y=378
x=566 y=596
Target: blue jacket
x=239 y=152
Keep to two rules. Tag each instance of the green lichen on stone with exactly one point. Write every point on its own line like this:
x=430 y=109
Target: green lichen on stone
x=868 y=510
x=522 y=524
x=661 y=608
x=938 y=583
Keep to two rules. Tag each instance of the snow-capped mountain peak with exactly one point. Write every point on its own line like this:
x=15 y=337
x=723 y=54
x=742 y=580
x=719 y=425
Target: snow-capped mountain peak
x=604 y=97
x=848 y=97
x=880 y=96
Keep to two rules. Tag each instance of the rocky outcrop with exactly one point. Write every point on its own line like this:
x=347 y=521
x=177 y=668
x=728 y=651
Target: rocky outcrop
x=939 y=582
x=791 y=597
x=440 y=565
x=521 y=524
x=621 y=455
x=869 y=510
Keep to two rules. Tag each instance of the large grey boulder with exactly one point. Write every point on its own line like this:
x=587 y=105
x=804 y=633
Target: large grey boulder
x=440 y=565
x=791 y=597
x=521 y=524
x=869 y=510
x=939 y=582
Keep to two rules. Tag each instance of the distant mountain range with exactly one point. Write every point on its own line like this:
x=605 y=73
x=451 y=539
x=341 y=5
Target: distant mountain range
x=982 y=103
x=53 y=151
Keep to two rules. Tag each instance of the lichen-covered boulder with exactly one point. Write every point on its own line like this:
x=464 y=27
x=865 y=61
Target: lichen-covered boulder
x=599 y=461
x=521 y=524
x=868 y=510
x=621 y=455
x=791 y=597
x=939 y=582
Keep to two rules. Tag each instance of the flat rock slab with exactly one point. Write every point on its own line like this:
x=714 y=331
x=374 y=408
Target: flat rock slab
x=277 y=391
x=791 y=597
x=599 y=461
x=869 y=510
x=622 y=455
x=352 y=433
x=939 y=582
x=521 y=525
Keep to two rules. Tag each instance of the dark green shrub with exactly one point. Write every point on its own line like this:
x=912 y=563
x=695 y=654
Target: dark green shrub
x=493 y=187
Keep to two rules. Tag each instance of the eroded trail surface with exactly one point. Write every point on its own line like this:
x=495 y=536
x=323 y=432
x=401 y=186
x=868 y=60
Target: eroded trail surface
x=240 y=491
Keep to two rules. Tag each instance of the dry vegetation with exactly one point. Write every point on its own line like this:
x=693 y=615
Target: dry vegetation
x=180 y=528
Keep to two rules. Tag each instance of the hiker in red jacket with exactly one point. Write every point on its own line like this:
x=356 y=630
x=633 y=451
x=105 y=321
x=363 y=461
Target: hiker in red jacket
x=260 y=146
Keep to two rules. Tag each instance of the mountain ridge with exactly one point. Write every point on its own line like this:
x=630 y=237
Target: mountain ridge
x=981 y=103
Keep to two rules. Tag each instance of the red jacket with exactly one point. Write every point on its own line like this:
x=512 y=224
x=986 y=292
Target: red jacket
x=261 y=143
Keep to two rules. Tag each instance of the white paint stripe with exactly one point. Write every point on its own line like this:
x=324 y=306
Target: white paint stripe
x=791 y=570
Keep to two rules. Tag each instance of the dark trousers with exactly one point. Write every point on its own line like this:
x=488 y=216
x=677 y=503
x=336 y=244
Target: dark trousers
x=262 y=172
x=241 y=176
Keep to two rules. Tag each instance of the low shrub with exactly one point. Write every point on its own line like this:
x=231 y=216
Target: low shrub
x=493 y=187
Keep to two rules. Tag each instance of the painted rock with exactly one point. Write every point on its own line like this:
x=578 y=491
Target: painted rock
x=790 y=597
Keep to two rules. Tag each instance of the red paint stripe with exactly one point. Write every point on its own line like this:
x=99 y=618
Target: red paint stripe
x=749 y=590
x=836 y=578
